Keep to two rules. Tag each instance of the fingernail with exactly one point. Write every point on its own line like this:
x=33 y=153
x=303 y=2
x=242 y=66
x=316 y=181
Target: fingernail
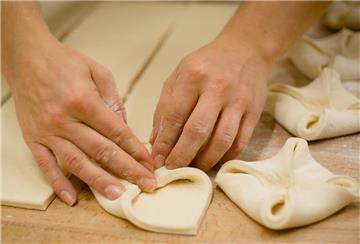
x=159 y=161
x=171 y=166
x=113 y=192
x=66 y=197
x=147 y=184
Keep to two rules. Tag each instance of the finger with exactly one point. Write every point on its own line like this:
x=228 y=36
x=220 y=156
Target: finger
x=221 y=139
x=109 y=155
x=165 y=98
x=53 y=174
x=96 y=115
x=105 y=83
x=78 y=163
x=176 y=112
x=246 y=129
x=197 y=130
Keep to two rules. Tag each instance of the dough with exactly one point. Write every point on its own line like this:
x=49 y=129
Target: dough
x=176 y=206
x=322 y=109
x=340 y=51
x=343 y=14
x=288 y=190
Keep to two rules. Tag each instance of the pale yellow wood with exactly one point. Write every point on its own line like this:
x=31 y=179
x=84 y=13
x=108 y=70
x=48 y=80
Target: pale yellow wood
x=122 y=36
x=197 y=26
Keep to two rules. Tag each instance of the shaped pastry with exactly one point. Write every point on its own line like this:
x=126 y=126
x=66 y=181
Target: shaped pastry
x=176 y=206
x=340 y=51
x=321 y=109
x=343 y=14
x=288 y=190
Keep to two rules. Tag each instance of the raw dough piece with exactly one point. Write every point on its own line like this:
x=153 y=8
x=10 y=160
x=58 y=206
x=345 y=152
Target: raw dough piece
x=340 y=51
x=321 y=109
x=343 y=14
x=177 y=206
x=288 y=190
x=22 y=183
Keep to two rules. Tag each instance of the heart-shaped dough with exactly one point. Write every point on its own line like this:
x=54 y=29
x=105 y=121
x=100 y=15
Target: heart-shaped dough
x=288 y=190
x=340 y=51
x=322 y=109
x=176 y=206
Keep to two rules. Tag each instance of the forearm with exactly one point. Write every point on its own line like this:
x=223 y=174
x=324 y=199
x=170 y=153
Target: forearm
x=271 y=26
x=23 y=29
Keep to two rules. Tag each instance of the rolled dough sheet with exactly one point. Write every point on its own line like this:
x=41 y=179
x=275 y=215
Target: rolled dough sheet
x=343 y=14
x=122 y=36
x=340 y=51
x=197 y=26
x=322 y=109
x=23 y=184
x=176 y=206
x=288 y=190
x=123 y=48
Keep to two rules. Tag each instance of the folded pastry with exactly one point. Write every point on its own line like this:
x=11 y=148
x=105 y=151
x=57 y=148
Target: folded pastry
x=322 y=109
x=340 y=51
x=343 y=14
x=288 y=190
x=176 y=206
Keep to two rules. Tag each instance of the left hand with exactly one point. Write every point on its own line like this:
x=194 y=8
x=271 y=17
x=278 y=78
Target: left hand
x=209 y=105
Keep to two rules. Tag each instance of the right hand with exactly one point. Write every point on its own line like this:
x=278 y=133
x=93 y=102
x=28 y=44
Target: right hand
x=70 y=112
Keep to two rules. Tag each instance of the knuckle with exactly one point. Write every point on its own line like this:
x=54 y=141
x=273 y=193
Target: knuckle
x=104 y=154
x=77 y=102
x=43 y=164
x=107 y=74
x=194 y=68
x=73 y=163
x=174 y=119
x=120 y=134
x=222 y=82
x=96 y=180
x=57 y=182
x=198 y=130
x=225 y=139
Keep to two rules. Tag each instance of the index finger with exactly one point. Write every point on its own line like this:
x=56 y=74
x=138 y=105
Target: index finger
x=197 y=130
x=102 y=119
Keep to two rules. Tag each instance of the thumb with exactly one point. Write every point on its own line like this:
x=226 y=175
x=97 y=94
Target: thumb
x=105 y=83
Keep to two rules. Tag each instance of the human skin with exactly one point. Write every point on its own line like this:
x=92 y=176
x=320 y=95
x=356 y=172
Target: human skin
x=210 y=104
x=68 y=108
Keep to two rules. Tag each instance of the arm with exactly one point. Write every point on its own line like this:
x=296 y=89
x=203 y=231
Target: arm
x=215 y=97
x=68 y=109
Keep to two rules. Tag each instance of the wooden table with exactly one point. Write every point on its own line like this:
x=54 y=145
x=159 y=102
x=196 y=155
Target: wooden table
x=224 y=221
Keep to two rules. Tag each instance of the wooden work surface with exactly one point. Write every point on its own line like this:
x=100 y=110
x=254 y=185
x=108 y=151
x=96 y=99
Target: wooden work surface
x=224 y=221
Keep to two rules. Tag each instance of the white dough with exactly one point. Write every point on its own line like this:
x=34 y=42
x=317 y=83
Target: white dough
x=288 y=190
x=343 y=14
x=340 y=51
x=176 y=206
x=321 y=109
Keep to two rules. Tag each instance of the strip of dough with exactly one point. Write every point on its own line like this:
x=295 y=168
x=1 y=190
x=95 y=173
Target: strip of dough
x=340 y=51
x=343 y=14
x=177 y=206
x=322 y=109
x=288 y=190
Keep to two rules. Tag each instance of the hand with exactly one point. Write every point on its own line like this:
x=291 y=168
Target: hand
x=70 y=112
x=209 y=105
